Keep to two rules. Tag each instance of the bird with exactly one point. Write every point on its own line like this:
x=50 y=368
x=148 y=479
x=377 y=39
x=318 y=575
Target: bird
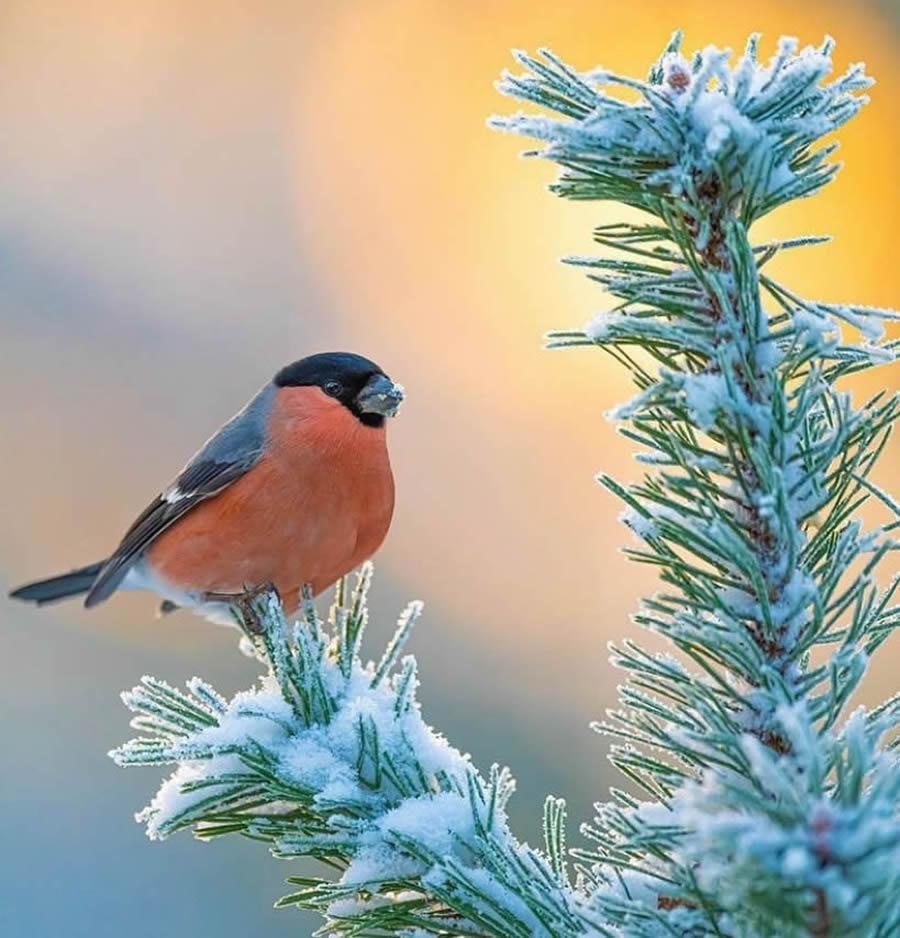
x=291 y=493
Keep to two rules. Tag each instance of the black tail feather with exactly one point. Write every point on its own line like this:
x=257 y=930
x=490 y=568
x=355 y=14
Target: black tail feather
x=55 y=588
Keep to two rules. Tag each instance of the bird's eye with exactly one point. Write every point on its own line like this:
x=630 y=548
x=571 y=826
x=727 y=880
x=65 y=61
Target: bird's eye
x=334 y=388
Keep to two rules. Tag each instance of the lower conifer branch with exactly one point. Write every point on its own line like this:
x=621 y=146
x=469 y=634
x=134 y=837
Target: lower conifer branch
x=331 y=759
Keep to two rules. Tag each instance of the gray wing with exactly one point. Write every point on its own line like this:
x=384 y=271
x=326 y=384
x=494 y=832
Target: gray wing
x=226 y=456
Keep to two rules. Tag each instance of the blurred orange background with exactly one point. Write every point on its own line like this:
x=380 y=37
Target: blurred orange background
x=193 y=194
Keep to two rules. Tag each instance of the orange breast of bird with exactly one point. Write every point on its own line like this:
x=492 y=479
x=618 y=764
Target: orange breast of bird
x=318 y=503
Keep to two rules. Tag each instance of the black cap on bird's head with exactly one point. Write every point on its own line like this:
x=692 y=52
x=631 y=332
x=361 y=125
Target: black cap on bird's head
x=358 y=383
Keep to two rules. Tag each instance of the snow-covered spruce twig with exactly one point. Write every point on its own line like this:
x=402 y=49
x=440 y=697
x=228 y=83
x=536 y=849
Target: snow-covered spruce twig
x=766 y=809
x=331 y=759
x=768 y=815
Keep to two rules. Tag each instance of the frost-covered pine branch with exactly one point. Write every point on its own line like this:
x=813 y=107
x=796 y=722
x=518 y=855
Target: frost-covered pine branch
x=764 y=808
x=769 y=811
x=329 y=758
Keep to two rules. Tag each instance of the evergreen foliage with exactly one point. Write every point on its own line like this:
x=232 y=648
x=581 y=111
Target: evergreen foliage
x=758 y=806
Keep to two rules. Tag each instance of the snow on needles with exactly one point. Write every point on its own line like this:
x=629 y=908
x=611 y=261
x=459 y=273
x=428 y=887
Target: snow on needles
x=788 y=827
x=319 y=762
x=751 y=124
x=330 y=758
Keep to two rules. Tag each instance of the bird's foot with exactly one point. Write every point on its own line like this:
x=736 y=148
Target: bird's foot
x=242 y=604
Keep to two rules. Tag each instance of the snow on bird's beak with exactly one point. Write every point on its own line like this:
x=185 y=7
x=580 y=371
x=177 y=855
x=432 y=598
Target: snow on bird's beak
x=380 y=396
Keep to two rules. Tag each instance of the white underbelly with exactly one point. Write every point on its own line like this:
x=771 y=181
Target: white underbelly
x=140 y=577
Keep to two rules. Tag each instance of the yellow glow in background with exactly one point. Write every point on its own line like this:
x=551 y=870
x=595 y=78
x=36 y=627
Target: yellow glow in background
x=195 y=193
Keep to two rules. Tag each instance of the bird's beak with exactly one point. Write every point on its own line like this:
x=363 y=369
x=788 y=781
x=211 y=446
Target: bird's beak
x=380 y=396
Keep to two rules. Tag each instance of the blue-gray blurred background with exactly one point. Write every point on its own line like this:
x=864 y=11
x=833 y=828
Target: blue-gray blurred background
x=193 y=193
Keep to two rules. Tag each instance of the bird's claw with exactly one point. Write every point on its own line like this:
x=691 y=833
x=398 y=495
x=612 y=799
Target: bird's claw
x=242 y=604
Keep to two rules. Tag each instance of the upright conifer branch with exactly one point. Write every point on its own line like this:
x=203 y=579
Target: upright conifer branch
x=758 y=463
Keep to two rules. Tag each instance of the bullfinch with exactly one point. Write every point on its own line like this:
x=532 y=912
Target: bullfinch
x=295 y=489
